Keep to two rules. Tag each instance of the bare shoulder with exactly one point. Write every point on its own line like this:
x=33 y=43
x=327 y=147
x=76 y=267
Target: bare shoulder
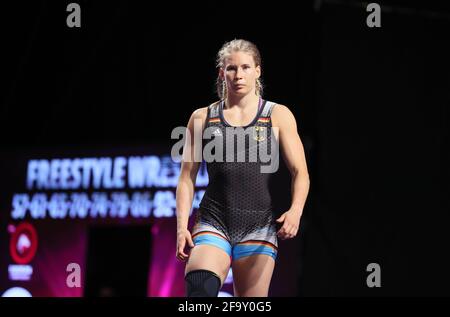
x=281 y=114
x=200 y=113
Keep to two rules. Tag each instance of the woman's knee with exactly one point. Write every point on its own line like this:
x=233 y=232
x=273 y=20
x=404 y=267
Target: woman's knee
x=202 y=283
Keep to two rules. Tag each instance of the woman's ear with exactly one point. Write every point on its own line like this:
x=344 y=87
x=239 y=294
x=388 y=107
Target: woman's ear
x=258 y=71
x=221 y=73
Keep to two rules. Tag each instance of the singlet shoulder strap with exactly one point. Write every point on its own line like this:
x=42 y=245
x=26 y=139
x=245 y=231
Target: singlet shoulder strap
x=266 y=112
x=213 y=110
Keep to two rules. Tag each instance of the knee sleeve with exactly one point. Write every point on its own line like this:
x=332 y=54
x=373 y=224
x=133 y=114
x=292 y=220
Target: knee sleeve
x=202 y=283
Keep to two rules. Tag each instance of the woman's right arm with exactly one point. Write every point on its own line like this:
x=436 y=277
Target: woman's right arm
x=186 y=182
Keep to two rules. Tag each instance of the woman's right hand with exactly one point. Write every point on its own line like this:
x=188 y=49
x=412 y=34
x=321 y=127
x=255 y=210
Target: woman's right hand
x=183 y=236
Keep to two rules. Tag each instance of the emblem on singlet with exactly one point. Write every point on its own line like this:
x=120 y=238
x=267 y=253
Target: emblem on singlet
x=259 y=133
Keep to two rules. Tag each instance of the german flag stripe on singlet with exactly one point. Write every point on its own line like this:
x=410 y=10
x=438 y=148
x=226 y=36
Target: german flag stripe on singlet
x=264 y=120
x=213 y=120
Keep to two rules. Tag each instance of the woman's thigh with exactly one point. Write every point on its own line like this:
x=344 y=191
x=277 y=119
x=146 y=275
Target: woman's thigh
x=252 y=275
x=208 y=257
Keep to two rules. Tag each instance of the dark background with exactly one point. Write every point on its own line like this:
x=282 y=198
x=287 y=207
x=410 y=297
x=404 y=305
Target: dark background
x=102 y=277
x=371 y=106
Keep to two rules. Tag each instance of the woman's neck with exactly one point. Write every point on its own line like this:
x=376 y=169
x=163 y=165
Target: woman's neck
x=243 y=102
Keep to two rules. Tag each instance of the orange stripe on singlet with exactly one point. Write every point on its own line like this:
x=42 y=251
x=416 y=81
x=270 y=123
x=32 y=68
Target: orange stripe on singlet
x=258 y=242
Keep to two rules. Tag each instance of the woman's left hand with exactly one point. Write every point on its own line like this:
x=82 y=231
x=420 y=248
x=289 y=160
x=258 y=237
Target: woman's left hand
x=290 y=220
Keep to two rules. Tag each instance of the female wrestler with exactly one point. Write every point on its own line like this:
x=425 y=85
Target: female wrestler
x=235 y=225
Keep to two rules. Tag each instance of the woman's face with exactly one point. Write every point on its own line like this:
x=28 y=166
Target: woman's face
x=240 y=73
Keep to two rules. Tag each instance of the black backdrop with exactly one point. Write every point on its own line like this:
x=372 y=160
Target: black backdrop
x=371 y=106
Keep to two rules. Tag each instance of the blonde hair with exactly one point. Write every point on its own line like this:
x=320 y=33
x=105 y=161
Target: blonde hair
x=237 y=45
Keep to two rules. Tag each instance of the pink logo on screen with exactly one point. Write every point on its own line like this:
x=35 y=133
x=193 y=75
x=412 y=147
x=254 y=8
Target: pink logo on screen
x=23 y=243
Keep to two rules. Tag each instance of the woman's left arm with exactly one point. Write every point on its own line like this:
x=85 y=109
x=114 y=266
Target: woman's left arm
x=294 y=156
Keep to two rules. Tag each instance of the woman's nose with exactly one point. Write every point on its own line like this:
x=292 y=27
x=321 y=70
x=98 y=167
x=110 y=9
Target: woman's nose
x=239 y=72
